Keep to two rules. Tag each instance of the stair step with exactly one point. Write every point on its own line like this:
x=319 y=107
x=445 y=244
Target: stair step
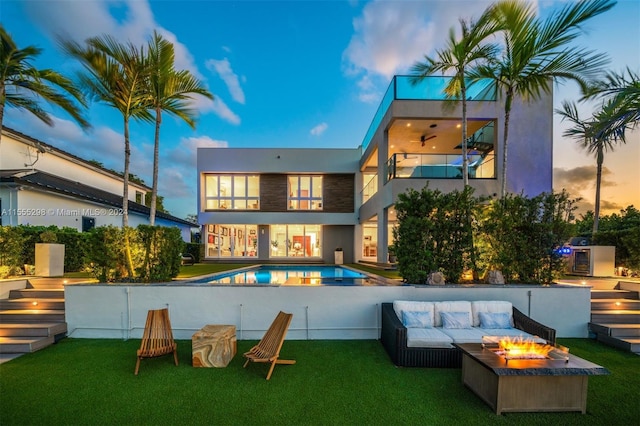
x=31 y=303
x=32 y=315
x=24 y=344
x=626 y=316
x=36 y=293
x=43 y=329
x=630 y=344
x=614 y=294
x=602 y=304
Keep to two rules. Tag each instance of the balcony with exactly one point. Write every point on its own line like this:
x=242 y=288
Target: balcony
x=427 y=89
x=439 y=166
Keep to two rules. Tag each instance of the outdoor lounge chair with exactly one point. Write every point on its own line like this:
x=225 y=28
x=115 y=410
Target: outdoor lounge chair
x=157 y=338
x=268 y=349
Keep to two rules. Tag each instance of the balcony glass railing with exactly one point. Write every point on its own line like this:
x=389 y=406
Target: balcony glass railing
x=439 y=166
x=370 y=189
x=427 y=89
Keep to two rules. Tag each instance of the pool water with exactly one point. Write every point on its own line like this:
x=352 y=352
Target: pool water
x=292 y=275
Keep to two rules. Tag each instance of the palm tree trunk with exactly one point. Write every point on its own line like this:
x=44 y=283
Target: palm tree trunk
x=2 y=101
x=125 y=199
x=465 y=158
x=507 y=113
x=154 y=187
x=599 y=160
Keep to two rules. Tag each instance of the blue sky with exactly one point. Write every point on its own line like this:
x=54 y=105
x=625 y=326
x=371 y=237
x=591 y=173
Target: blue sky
x=290 y=74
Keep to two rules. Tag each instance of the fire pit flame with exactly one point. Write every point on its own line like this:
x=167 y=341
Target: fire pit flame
x=520 y=348
x=525 y=348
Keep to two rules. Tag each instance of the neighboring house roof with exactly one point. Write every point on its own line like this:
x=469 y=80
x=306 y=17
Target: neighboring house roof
x=38 y=144
x=50 y=183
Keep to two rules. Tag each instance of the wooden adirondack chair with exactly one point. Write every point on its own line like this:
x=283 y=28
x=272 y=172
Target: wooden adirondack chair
x=268 y=349
x=157 y=338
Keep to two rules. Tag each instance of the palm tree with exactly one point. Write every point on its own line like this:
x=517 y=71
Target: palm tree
x=458 y=56
x=20 y=80
x=623 y=112
x=586 y=132
x=169 y=90
x=115 y=74
x=537 y=52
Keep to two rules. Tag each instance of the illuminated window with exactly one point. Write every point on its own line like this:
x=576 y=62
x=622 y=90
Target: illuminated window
x=236 y=192
x=305 y=192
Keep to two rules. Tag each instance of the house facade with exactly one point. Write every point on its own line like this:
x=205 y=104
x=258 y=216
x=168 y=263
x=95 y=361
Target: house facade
x=285 y=204
x=43 y=185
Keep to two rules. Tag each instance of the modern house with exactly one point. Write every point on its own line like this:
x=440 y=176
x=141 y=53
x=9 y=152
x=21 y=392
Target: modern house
x=286 y=204
x=43 y=185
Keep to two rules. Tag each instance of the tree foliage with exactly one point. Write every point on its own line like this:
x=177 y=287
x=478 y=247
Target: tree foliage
x=523 y=235
x=456 y=232
x=620 y=230
x=434 y=233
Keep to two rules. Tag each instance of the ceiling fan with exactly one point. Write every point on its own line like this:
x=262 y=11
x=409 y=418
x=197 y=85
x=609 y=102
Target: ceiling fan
x=425 y=138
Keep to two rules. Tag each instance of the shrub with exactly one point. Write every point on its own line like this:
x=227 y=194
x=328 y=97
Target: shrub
x=104 y=253
x=434 y=233
x=161 y=248
x=12 y=241
x=194 y=249
x=523 y=234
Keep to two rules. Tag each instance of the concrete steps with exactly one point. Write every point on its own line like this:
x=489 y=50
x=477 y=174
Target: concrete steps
x=31 y=319
x=615 y=318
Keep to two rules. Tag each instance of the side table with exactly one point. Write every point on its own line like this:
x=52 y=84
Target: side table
x=213 y=346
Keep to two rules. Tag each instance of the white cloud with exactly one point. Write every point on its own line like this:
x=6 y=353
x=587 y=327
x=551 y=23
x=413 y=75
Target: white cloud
x=179 y=167
x=185 y=153
x=223 y=69
x=94 y=18
x=223 y=111
x=389 y=37
x=319 y=129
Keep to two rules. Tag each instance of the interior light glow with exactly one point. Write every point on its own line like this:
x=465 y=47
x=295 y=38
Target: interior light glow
x=34 y=303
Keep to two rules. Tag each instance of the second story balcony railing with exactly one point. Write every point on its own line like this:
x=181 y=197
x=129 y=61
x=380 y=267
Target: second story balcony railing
x=370 y=189
x=439 y=166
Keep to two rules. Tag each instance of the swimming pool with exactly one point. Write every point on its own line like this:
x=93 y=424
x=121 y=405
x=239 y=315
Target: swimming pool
x=316 y=275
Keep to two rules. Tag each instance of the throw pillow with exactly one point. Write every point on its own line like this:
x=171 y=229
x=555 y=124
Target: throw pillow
x=494 y=320
x=455 y=320
x=417 y=319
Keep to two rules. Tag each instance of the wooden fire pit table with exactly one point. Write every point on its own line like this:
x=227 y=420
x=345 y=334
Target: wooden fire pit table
x=527 y=385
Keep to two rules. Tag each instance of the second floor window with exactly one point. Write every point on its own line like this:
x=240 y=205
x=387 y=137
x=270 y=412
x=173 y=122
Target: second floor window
x=305 y=192
x=237 y=192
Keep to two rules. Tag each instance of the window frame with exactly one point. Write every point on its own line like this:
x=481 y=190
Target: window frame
x=230 y=201
x=312 y=200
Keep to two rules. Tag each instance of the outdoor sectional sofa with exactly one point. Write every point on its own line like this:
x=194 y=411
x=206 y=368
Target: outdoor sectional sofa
x=429 y=342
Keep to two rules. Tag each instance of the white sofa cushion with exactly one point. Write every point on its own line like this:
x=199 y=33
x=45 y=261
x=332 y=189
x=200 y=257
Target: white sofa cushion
x=464 y=335
x=413 y=306
x=451 y=306
x=428 y=338
x=491 y=306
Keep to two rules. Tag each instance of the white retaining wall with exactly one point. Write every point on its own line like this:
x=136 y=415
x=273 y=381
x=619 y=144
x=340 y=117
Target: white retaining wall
x=119 y=311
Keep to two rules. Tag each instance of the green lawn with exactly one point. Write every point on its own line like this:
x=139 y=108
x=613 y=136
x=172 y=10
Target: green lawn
x=91 y=381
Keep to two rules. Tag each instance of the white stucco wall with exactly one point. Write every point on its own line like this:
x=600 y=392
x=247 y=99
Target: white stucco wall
x=119 y=311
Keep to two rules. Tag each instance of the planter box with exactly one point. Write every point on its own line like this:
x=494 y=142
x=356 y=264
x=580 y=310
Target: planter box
x=49 y=260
